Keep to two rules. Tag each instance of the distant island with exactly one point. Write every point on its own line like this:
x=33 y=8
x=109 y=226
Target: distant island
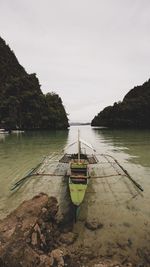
x=22 y=103
x=132 y=112
x=79 y=123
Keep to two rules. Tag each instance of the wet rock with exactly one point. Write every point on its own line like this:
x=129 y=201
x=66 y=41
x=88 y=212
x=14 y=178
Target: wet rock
x=32 y=236
x=44 y=210
x=60 y=218
x=57 y=256
x=37 y=228
x=45 y=261
x=52 y=207
x=129 y=264
x=21 y=235
x=34 y=240
x=68 y=238
x=93 y=225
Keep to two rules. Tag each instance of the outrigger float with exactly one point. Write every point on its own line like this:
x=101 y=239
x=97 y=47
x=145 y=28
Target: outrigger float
x=79 y=169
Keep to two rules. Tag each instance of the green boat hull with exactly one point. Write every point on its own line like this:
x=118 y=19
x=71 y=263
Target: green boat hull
x=77 y=192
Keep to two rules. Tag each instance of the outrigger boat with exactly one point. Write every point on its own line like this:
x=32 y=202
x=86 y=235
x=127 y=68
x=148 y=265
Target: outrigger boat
x=76 y=168
x=78 y=174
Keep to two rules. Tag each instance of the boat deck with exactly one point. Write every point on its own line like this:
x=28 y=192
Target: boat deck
x=91 y=159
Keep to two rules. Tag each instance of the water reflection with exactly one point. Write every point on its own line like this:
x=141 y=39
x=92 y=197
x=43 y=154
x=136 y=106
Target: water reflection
x=135 y=143
x=2 y=137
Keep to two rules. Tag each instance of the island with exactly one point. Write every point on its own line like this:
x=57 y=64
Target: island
x=22 y=103
x=132 y=112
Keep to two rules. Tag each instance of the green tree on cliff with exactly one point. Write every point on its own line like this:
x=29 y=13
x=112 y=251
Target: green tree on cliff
x=22 y=103
x=132 y=112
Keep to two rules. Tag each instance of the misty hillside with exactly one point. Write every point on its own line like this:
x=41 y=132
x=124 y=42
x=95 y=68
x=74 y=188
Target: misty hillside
x=132 y=112
x=22 y=103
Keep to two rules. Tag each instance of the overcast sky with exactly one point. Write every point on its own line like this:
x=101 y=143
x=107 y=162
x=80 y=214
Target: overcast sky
x=90 y=52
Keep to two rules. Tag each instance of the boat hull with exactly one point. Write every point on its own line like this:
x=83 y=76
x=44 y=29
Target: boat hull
x=77 y=192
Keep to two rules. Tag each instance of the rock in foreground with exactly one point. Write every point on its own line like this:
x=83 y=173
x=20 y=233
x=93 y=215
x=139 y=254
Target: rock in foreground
x=32 y=235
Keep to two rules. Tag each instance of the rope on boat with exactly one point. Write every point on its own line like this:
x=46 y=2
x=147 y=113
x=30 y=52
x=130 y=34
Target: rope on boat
x=126 y=172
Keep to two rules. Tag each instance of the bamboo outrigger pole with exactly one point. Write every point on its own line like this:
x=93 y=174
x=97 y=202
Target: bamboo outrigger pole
x=127 y=174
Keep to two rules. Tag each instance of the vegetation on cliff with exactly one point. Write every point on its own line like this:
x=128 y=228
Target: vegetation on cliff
x=132 y=112
x=22 y=103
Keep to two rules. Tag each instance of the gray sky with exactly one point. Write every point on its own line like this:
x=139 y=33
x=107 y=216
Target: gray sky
x=90 y=52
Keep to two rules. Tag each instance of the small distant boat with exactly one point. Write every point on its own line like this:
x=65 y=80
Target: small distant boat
x=3 y=131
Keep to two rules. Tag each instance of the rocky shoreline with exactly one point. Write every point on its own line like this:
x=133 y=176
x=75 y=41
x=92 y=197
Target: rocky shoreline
x=36 y=234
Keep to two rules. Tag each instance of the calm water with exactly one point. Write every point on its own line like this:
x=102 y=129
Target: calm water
x=125 y=219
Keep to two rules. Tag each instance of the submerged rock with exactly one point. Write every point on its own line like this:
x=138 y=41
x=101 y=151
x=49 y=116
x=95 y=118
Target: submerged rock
x=32 y=236
x=28 y=232
x=68 y=238
x=57 y=255
x=93 y=225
